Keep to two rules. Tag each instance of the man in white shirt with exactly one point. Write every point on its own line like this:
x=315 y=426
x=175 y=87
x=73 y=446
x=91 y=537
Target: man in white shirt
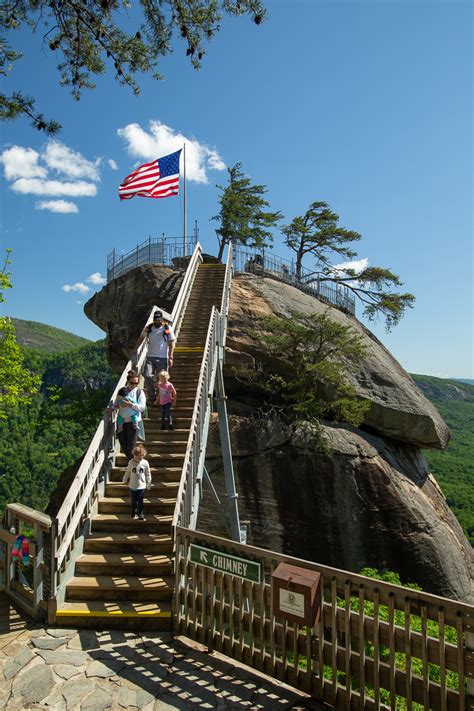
x=161 y=343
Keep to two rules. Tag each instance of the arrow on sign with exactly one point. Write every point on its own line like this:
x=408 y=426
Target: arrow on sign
x=203 y=556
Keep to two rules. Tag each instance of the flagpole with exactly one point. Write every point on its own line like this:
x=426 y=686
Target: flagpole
x=184 y=201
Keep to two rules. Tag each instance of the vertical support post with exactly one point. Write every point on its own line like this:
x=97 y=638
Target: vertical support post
x=184 y=201
x=10 y=563
x=231 y=493
x=469 y=637
x=38 y=570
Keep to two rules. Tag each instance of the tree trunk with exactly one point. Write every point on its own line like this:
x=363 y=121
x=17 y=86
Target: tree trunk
x=222 y=244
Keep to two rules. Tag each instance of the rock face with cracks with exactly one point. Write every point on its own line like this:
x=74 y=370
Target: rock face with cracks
x=371 y=499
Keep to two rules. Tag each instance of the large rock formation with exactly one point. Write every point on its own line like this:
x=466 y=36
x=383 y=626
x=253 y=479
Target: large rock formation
x=122 y=307
x=370 y=500
x=367 y=502
x=399 y=410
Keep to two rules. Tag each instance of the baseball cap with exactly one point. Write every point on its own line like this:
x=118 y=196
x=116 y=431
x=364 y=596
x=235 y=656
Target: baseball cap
x=158 y=315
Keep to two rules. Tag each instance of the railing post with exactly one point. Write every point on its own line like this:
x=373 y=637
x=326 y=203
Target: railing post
x=38 y=569
x=231 y=493
x=470 y=648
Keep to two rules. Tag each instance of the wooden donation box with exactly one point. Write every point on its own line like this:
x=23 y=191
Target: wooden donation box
x=296 y=594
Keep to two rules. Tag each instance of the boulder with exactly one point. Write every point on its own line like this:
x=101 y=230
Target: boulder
x=122 y=307
x=398 y=409
x=366 y=501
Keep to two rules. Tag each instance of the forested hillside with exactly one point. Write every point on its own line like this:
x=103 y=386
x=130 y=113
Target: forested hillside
x=40 y=440
x=454 y=468
x=46 y=339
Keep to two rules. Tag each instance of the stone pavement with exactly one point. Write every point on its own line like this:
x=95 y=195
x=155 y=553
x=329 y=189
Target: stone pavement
x=84 y=670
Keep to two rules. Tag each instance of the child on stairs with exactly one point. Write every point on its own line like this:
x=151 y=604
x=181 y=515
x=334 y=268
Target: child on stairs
x=138 y=476
x=166 y=399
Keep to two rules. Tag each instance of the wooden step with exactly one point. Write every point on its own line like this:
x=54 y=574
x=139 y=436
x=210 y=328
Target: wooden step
x=117 y=614
x=156 y=444
x=152 y=505
x=154 y=424
x=119 y=587
x=123 y=523
x=161 y=488
x=161 y=475
x=128 y=543
x=124 y=564
x=155 y=460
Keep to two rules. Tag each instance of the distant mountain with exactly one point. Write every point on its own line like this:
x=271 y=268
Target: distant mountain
x=46 y=339
x=465 y=380
x=437 y=389
x=454 y=468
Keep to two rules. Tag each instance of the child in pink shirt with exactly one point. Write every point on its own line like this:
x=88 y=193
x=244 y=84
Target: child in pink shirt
x=166 y=399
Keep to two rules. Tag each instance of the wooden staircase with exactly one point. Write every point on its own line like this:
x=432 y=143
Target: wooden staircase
x=124 y=578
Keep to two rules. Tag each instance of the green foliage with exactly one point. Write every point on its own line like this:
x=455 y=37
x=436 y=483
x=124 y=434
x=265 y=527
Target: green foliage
x=39 y=441
x=317 y=233
x=244 y=216
x=17 y=385
x=320 y=353
x=87 y=37
x=47 y=339
x=432 y=630
x=454 y=467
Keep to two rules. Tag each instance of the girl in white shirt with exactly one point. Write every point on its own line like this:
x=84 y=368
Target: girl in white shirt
x=138 y=476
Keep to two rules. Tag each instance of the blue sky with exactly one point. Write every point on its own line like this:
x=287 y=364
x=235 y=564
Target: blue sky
x=367 y=105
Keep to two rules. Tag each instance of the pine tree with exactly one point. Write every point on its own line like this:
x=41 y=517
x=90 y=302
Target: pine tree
x=244 y=217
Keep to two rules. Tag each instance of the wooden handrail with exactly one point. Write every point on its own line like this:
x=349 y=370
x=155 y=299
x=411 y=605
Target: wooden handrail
x=31 y=515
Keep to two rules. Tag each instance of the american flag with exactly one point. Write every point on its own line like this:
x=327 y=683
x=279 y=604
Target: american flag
x=157 y=179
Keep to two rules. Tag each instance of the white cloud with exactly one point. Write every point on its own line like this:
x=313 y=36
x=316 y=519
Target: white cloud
x=19 y=162
x=78 y=302
x=63 y=206
x=112 y=164
x=65 y=160
x=97 y=279
x=36 y=186
x=162 y=139
x=78 y=286
x=358 y=265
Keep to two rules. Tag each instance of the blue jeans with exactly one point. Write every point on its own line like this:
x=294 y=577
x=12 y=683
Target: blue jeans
x=166 y=416
x=153 y=366
x=137 y=496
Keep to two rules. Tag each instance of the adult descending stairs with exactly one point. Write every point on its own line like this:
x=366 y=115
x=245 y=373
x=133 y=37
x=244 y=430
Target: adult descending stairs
x=124 y=576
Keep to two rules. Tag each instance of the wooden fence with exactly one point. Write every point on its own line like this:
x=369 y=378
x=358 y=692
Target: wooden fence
x=28 y=586
x=376 y=645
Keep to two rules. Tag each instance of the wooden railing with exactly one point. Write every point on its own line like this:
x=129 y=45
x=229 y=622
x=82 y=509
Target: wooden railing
x=27 y=585
x=190 y=486
x=376 y=645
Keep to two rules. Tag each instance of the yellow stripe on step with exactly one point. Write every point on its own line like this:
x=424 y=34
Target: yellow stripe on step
x=189 y=349
x=91 y=613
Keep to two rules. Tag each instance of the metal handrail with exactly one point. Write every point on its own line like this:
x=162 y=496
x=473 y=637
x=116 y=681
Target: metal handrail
x=168 y=251
x=195 y=452
x=189 y=476
x=269 y=265
x=83 y=492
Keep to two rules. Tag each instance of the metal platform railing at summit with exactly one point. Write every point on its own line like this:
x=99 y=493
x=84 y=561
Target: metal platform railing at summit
x=168 y=251
x=266 y=264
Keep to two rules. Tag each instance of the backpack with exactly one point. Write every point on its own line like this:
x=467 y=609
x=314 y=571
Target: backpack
x=166 y=331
